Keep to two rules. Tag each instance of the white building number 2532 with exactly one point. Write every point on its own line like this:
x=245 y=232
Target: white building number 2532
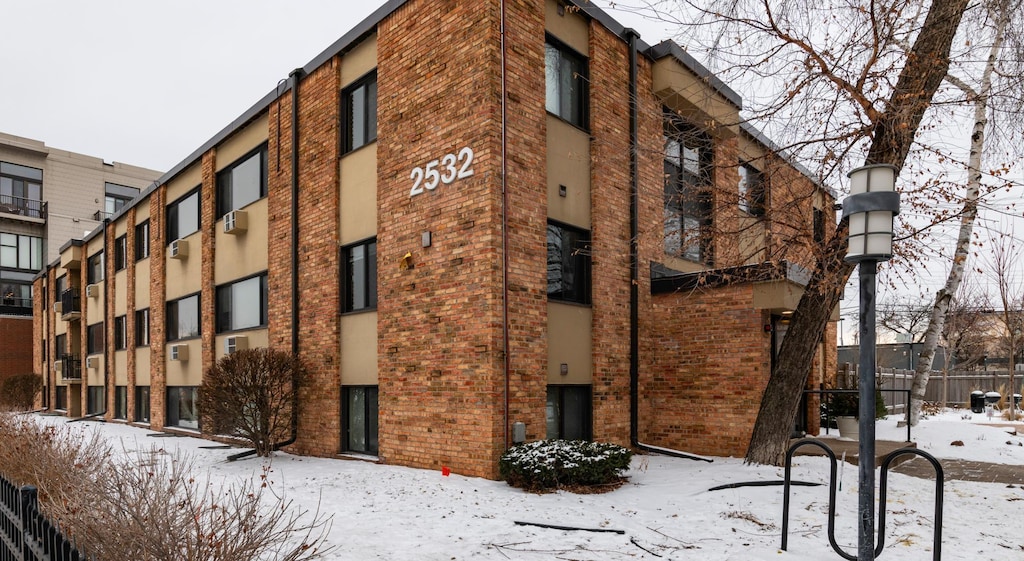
x=442 y=171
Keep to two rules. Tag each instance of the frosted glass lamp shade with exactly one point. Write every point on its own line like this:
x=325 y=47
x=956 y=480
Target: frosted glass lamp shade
x=871 y=206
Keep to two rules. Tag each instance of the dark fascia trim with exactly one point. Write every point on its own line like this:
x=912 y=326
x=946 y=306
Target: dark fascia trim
x=602 y=17
x=669 y=48
x=715 y=278
x=759 y=136
x=70 y=243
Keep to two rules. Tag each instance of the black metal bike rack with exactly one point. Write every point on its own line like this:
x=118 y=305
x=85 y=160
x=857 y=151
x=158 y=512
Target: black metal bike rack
x=883 y=489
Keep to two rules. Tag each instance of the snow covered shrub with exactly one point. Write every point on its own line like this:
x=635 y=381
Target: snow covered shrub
x=549 y=464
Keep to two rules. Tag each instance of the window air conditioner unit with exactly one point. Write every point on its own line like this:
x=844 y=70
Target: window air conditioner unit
x=92 y=291
x=179 y=352
x=92 y=362
x=58 y=307
x=235 y=343
x=235 y=222
x=58 y=366
x=179 y=249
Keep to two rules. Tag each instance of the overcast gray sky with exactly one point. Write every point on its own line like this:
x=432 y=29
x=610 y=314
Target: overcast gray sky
x=146 y=83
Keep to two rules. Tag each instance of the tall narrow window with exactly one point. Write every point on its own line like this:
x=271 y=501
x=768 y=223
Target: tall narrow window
x=688 y=205
x=121 y=402
x=243 y=182
x=568 y=264
x=142 y=404
x=819 y=226
x=142 y=328
x=120 y=253
x=183 y=318
x=359 y=107
x=96 y=269
x=565 y=78
x=94 y=344
x=182 y=409
x=95 y=400
x=359 y=276
x=242 y=304
x=183 y=216
x=360 y=411
x=569 y=412
x=120 y=333
x=142 y=240
x=751 y=190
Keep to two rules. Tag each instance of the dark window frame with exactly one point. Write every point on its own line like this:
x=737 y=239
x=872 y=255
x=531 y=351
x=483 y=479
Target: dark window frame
x=223 y=295
x=225 y=184
x=173 y=334
x=142 y=404
x=96 y=267
x=142 y=327
x=368 y=104
x=95 y=339
x=371 y=424
x=27 y=177
x=575 y=270
x=576 y=115
x=818 y=225
x=587 y=422
x=753 y=188
x=369 y=273
x=121 y=333
x=173 y=229
x=142 y=240
x=688 y=204
x=36 y=260
x=174 y=399
x=95 y=399
x=121 y=253
x=121 y=402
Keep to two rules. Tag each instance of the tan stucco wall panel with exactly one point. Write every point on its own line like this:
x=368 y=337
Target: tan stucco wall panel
x=358 y=201
x=142 y=284
x=185 y=372
x=242 y=254
x=569 y=332
x=121 y=293
x=255 y=339
x=184 y=182
x=570 y=28
x=121 y=368
x=359 y=349
x=142 y=367
x=359 y=61
x=184 y=276
x=242 y=142
x=568 y=163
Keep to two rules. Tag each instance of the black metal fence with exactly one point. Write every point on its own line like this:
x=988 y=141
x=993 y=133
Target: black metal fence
x=25 y=534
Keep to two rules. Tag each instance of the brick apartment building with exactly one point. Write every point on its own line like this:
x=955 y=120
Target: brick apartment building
x=47 y=195
x=450 y=248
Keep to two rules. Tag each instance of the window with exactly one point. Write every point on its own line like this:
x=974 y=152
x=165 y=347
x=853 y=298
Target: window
x=21 y=190
x=120 y=253
x=95 y=342
x=142 y=328
x=819 y=226
x=565 y=79
x=60 y=401
x=21 y=252
x=568 y=412
x=16 y=295
x=181 y=407
x=95 y=400
x=360 y=411
x=242 y=182
x=183 y=216
x=142 y=404
x=60 y=346
x=120 y=333
x=142 y=240
x=94 y=273
x=688 y=163
x=183 y=318
x=116 y=197
x=359 y=107
x=568 y=264
x=121 y=402
x=751 y=189
x=242 y=304
x=359 y=276
x=62 y=284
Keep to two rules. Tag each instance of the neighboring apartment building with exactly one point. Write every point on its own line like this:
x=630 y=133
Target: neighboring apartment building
x=450 y=248
x=47 y=196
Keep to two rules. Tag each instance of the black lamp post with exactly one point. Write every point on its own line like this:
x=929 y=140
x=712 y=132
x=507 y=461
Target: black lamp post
x=872 y=203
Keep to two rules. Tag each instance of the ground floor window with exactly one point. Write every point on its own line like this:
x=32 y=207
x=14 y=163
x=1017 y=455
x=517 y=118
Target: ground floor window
x=121 y=402
x=359 y=407
x=141 y=404
x=181 y=407
x=569 y=413
x=61 y=399
x=95 y=400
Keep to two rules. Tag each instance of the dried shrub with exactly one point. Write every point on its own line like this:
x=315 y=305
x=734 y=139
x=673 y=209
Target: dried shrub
x=551 y=464
x=19 y=392
x=251 y=394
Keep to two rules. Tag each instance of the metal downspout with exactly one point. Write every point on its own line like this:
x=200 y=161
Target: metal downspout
x=634 y=251
x=504 y=229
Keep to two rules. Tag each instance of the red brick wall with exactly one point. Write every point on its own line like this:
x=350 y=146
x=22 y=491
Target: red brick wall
x=16 y=351
x=157 y=309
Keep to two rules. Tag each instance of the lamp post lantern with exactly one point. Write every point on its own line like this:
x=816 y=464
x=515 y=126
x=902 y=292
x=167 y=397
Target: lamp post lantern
x=871 y=206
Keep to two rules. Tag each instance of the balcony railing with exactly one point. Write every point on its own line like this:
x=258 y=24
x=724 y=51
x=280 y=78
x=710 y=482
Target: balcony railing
x=70 y=302
x=71 y=366
x=15 y=306
x=100 y=215
x=23 y=207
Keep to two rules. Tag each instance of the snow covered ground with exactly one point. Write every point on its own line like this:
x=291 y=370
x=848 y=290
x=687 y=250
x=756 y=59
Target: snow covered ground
x=665 y=511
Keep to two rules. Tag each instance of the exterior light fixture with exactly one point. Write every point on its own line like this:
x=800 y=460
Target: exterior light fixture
x=870 y=208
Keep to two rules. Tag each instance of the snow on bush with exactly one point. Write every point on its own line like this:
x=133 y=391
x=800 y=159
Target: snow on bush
x=549 y=464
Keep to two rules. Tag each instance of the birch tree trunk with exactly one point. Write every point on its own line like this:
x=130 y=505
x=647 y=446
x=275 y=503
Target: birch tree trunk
x=968 y=214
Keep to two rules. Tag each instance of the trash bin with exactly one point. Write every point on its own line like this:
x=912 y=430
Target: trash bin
x=1016 y=400
x=992 y=398
x=977 y=401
